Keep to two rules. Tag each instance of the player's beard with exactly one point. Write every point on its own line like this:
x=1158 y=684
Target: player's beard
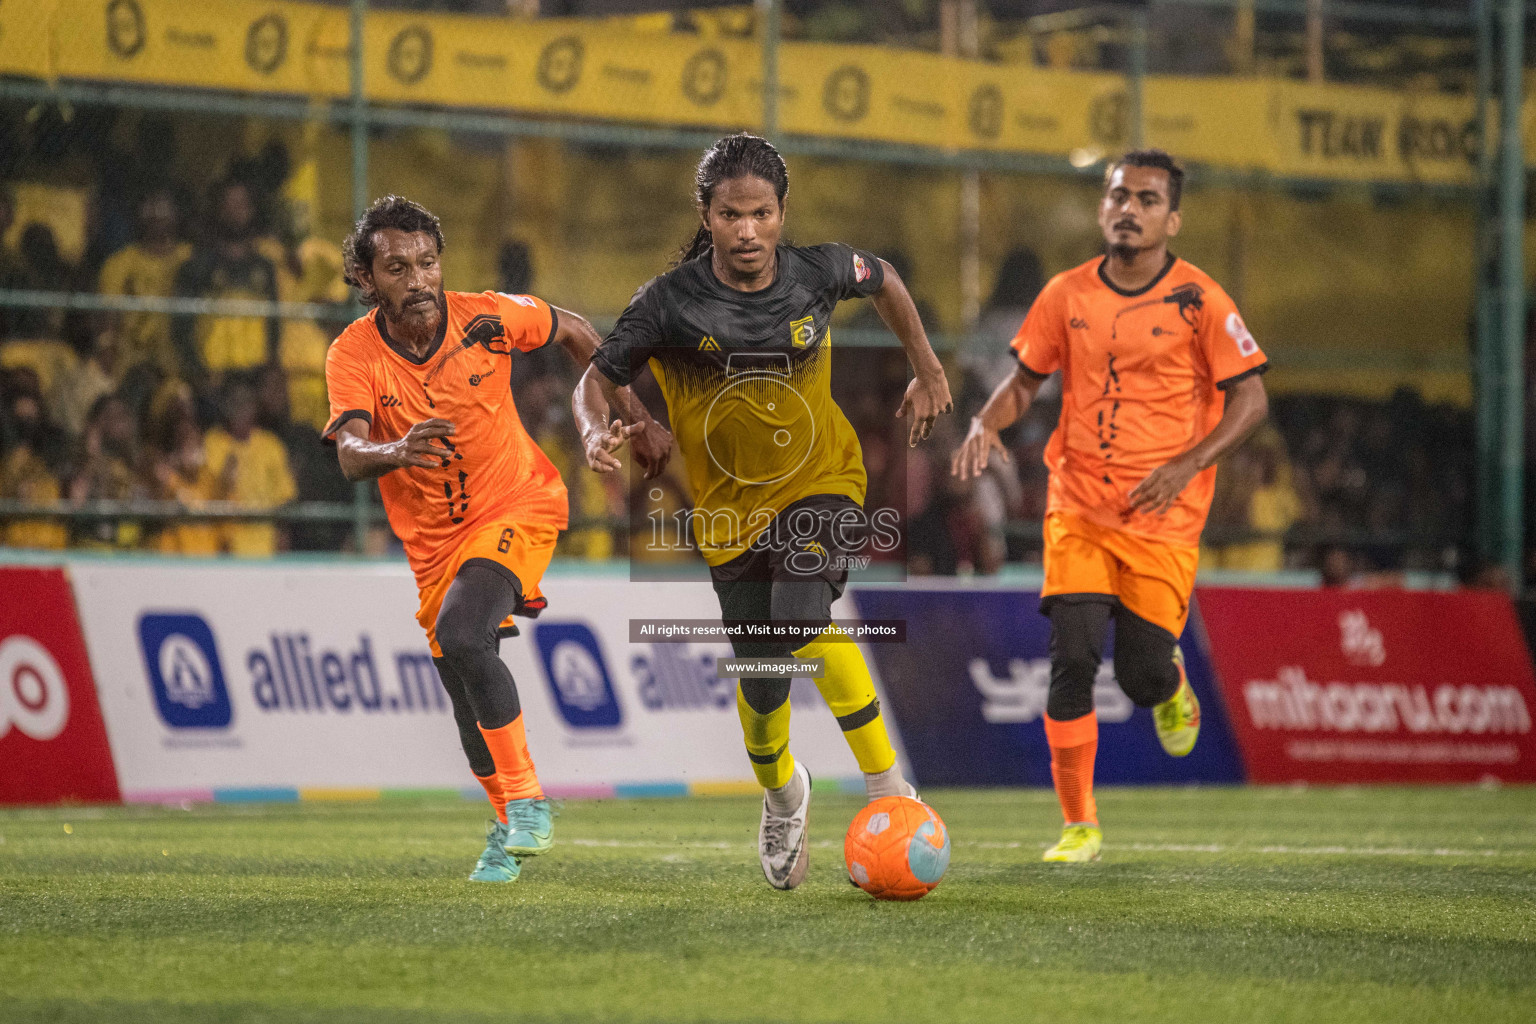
x=417 y=323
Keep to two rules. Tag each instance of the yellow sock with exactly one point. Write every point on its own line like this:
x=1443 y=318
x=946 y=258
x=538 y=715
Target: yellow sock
x=849 y=690
x=767 y=739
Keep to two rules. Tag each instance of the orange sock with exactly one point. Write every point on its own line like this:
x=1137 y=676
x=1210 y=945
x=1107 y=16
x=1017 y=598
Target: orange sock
x=1073 y=746
x=492 y=786
x=514 y=766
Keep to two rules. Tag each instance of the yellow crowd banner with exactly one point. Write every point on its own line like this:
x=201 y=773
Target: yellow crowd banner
x=1365 y=134
x=583 y=69
x=25 y=39
x=562 y=67
x=876 y=93
x=243 y=45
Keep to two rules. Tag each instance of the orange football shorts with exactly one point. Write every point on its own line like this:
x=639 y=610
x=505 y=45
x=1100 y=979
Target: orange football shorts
x=1151 y=578
x=523 y=548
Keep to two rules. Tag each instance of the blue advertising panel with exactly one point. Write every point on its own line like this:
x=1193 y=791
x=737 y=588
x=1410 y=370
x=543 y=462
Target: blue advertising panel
x=968 y=692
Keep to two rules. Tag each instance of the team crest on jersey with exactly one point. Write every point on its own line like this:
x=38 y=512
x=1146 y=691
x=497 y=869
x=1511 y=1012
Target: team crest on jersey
x=860 y=269
x=709 y=344
x=802 y=331
x=1238 y=331
x=486 y=330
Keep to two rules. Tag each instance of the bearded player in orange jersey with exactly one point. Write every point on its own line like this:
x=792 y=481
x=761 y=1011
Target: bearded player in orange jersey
x=1159 y=380
x=421 y=400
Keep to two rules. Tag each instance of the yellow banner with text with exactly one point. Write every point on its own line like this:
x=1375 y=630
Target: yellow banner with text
x=575 y=68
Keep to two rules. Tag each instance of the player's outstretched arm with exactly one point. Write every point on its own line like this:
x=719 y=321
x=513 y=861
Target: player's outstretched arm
x=1247 y=405
x=651 y=442
x=928 y=394
x=362 y=459
x=1009 y=401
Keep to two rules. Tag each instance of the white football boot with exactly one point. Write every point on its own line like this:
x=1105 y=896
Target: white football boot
x=781 y=842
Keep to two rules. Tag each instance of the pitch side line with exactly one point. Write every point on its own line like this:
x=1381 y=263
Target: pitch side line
x=1330 y=851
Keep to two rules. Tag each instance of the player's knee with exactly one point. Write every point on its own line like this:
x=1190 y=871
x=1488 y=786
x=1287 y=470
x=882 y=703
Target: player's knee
x=465 y=636
x=1144 y=665
x=765 y=696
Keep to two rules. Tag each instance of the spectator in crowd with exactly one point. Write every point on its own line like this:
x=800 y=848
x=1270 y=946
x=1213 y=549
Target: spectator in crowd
x=24 y=420
x=1257 y=504
x=40 y=267
x=109 y=470
x=253 y=472
x=1019 y=280
x=75 y=393
x=316 y=474
x=30 y=450
x=147 y=268
x=126 y=175
x=10 y=262
x=543 y=403
x=309 y=269
x=227 y=267
x=181 y=471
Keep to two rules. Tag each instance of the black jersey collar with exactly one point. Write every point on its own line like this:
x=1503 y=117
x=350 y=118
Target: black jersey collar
x=395 y=347
x=1172 y=259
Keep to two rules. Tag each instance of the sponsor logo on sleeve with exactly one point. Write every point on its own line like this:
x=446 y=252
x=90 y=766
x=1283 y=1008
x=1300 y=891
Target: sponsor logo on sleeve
x=1238 y=332
x=860 y=269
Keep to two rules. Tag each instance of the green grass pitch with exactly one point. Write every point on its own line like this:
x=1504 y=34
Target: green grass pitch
x=1210 y=904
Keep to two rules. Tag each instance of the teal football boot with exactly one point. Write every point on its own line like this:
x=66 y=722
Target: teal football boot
x=532 y=827
x=495 y=865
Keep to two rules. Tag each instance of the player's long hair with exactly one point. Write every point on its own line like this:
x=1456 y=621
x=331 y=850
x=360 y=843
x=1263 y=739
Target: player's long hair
x=735 y=156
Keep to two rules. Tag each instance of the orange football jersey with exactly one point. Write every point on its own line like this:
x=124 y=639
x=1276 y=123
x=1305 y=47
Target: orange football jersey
x=496 y=471
x=1142 y=376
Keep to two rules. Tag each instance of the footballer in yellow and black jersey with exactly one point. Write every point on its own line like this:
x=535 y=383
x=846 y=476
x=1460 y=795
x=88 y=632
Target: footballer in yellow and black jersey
x=747 y=380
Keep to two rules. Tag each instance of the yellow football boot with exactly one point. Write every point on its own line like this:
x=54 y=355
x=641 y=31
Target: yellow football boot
x=1079 y=844
x=1178 y=717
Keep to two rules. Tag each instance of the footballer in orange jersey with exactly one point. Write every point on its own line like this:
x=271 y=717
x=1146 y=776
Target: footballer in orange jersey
x=1159 y=379
x=421 y=399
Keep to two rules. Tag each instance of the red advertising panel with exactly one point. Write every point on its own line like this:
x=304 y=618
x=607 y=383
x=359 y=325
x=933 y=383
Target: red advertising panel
x=1374 y=685
x=53 y=745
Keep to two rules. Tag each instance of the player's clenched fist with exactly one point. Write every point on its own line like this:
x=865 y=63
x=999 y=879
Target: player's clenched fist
x=420 y=445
